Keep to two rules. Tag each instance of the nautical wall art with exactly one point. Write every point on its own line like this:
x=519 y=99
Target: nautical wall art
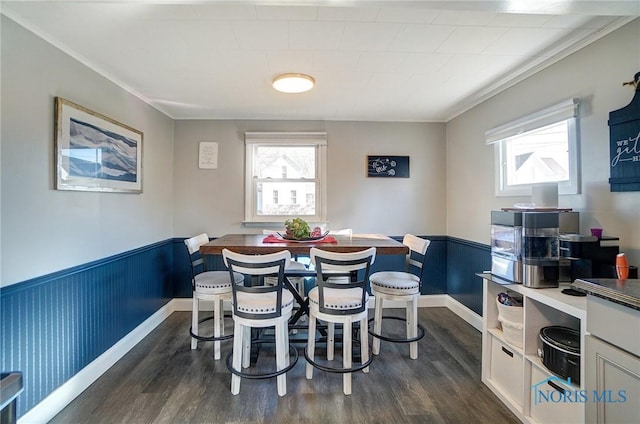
x=94 y=152
x=388 y=166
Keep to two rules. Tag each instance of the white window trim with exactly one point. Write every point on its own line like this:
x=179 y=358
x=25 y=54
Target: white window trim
x=563 y=111
x=316 y=139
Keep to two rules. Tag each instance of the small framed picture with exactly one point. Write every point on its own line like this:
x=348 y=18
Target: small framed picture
x=94 y=152
x=386 y=166
x=208 y=155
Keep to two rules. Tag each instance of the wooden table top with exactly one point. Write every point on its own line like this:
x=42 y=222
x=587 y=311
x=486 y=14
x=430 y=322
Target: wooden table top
x=252 y=244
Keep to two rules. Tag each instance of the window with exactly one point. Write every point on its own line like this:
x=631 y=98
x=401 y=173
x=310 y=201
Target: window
x=281 y=163
x=539 y=148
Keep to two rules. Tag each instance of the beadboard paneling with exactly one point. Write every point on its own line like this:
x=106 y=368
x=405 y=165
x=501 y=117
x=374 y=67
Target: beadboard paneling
x=53 y=326
x=464 y=259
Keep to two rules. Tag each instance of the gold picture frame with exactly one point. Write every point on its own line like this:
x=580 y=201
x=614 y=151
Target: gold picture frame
x=94 y=152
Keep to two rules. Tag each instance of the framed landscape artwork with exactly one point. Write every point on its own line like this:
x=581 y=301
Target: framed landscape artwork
x=94 y=152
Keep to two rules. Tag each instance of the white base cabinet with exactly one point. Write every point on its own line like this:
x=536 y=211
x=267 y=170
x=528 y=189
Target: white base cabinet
x=613 y=363
x=516 y=374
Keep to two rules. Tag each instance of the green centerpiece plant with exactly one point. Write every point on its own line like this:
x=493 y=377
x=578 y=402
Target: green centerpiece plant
x=298 y=228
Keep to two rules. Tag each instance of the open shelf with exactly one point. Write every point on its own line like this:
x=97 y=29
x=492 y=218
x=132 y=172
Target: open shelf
x=542 y=308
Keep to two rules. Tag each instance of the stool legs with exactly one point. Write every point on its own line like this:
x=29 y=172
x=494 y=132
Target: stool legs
x=246 y=347
x=331 y=337
x=364 y=342
x=347 y=357
x=218 y=326
x=239 y=359
x=377 y=325
x=282 y=347
x=411 y=322
x=311 y=345
x=194 y=322
x=238 y=348
x=412 y=326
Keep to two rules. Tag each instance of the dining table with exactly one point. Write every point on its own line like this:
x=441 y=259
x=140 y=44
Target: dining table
x=259 y=244
x=255 y=244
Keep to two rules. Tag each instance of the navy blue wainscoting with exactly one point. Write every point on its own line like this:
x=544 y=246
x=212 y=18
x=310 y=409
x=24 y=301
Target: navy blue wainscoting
x=434 y=273
x=465 y=259
x=53 y=326
x=181 y=269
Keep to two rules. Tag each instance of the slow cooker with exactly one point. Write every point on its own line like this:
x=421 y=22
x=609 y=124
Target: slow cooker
x=561 y=351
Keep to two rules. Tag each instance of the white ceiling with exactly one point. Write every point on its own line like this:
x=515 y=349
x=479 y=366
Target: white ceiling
x=424 y=61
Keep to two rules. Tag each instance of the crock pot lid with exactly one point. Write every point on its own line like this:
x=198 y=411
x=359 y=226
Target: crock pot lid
x=563 y=337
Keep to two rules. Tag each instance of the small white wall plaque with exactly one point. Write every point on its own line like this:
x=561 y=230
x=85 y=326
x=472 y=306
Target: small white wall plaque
x=208 y=155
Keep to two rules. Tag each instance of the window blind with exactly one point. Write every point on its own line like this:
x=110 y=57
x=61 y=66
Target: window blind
x=556 y=113
x=312 y=138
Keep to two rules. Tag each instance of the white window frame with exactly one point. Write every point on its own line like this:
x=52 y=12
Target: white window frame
x=563 y=111
x=314 y=139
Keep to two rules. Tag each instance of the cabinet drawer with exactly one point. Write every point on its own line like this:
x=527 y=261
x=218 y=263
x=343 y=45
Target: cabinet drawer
x=506 y=369
x=548 y=407
x=616 y=324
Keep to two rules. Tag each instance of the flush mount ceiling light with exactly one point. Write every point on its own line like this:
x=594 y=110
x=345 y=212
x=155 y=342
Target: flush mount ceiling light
x=293 y=83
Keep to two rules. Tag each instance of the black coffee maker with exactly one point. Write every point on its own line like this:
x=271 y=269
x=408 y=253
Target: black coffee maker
x=589 y=257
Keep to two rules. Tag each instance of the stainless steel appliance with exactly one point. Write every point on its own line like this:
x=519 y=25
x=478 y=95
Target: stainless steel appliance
x=524 y=245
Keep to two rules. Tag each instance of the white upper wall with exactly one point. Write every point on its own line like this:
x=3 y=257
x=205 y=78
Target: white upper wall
x=213 y=200
x=451 y=189
x=44 y=230
x=593 y=74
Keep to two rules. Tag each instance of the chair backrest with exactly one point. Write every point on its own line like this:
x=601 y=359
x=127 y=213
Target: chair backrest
x=331 y=265
x=257 y=267
x=342 y=232
x=417 y=246
x=195 y=260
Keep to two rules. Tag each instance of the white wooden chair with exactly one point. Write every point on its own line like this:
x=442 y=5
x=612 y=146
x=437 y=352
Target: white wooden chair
x=338 y=300
x=400 y=286
x=260 y=306
x=212 y=286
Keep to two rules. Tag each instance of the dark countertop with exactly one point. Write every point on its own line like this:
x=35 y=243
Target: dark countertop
x=623 y=292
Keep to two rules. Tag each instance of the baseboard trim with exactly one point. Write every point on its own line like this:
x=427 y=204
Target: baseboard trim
x=44 y=411
x=63 y=395
x=465 y=313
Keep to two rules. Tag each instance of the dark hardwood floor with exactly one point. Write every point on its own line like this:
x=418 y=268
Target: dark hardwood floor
x=163 y=381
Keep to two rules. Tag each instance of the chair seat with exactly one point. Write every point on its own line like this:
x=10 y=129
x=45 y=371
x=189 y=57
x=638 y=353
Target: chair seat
x=341 y=299
x=263 y=304
x=395 y=283
x=215 y=282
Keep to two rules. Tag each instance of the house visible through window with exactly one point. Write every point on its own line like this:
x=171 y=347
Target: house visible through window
x=539 y=148
x=281 y=163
